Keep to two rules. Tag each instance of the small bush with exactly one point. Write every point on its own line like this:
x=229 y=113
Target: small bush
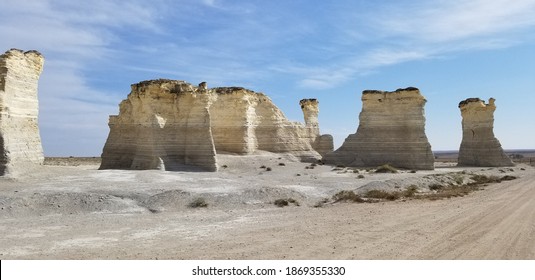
x=507 y=178
x=321 y=203
x=341 y=166
x=198 y=202
x=313 y=164
x=410 y=191
x=263 y=166
x=386 y=168
x=360 y=176
x=355 y=171
x=224 y=166
x=282 y=164
x=297 y=174
x=459 y=179
x=281 y=202
x=268 y=168
x=347 y=196
x=413 y=171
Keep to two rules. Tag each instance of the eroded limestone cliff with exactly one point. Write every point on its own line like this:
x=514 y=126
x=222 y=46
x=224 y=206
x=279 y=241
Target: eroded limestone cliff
x=163 y=124
x=166 y=124
x=391 y=131
x=479 y=147
x=20 y=143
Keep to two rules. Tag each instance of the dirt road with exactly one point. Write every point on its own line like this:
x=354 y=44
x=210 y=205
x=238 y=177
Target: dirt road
x=495 y=223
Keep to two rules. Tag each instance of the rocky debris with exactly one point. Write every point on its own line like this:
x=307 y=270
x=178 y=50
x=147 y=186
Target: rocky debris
x=479 y=147
x=169 y=125
x=391 y=131
x=20 y=143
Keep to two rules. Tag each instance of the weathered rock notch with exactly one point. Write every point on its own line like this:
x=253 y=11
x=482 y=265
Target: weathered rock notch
x=391 y=131
x=170 y=125
x=20 y=143
x=479 y=147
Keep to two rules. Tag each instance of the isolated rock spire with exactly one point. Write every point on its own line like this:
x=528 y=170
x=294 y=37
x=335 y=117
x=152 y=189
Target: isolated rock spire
x=391 y=131
x=479 y=147
x=323 y=144
x=20 y=143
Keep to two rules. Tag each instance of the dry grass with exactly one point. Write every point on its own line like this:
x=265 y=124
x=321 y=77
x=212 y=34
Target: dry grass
x=380 y=194
x=386 y=168
x=438 y=191
x=347 y=196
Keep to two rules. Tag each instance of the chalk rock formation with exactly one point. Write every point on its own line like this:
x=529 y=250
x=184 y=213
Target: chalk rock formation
x=479 y=147
x=323 y=144
x=391 y=131
x=163 y=124
x=166 y=124
x=20 y=143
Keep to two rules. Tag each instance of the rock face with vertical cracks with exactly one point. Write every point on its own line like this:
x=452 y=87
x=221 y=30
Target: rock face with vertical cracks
x=172 y=125
x=391 y=131
x=20 y=143
x=479 y=147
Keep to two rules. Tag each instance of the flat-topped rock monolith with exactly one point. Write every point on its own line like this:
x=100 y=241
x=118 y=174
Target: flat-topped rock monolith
x=479 y=146
x=163 y=124
x=391 y=131
x=20 y=142
x=170 y=125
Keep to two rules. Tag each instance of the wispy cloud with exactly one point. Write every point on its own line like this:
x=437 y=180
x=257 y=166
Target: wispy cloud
x=72 y=35
x=226 y=42
x=422 y=30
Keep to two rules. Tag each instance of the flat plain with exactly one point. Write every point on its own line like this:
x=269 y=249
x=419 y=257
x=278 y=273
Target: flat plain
x=68 y=209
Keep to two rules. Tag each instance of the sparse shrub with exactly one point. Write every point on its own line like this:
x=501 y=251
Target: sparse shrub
x=198 y=202
x=281 y=202
x=386 y=168
x=413 y=171
x=355 y=171
x=459 y=179
x=282 y=164
x=347 y=196
x=360 y=176
x=224 y=166
x=313 y=164
x=263 y=166
x=449 y=192
x=321 y=203
x=268 y=168
x=341 y=166
x=297 y=174
x=410 y=191
x=482 y=179
x=382 y=194
x=507 y=178
x=436 y=187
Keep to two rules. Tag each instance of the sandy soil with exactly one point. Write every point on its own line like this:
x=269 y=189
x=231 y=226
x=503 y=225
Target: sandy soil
x=63 y=211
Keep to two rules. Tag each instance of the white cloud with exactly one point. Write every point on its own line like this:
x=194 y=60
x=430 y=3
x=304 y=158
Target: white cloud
x=423 y=30
x=72 y=35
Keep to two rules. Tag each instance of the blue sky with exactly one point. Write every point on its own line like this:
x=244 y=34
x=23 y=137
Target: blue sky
x=330 y=50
